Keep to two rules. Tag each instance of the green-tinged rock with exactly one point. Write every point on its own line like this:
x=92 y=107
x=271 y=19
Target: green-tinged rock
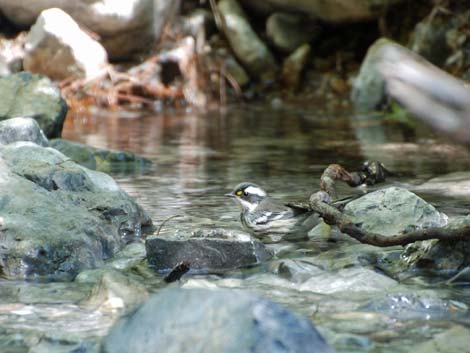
x=21 y=129
x=368 y=91
x=57 y=217
x=29 y=95
x=454 y=340
x=392 y=211
x=212 y=321
x=246 y=45
x=100 y=159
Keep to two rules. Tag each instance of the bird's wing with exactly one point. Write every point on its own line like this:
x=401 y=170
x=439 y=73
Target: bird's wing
x=272 y=210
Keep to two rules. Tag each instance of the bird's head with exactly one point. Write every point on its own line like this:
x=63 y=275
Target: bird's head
x=247 y=195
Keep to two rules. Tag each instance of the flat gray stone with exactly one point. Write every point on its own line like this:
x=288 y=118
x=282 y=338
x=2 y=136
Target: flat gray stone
x=212 y=251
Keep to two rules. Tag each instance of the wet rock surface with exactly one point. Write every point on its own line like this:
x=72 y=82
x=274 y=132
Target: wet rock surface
x=35 y=96
x=21 y=129
x=58 y=217
x=216 y=321
x=206 y=251
x=100 y=159
x=57 y=48
x=394 y=210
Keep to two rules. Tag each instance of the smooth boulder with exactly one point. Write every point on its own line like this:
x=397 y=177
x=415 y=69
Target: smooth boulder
x=212 y=321
x=249 y=49
x=206 y=251
x=124 y=27
x=57 y=48
x=35 y=96
x=21 y=129
x=58 y=218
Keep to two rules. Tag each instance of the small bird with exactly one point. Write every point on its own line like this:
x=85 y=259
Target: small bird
x=263 y=215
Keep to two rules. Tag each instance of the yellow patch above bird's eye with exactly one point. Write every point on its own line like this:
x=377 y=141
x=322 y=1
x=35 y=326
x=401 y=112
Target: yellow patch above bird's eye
x=239 y=193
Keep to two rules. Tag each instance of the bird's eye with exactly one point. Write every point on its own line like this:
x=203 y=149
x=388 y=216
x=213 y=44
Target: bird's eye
x=239 y=193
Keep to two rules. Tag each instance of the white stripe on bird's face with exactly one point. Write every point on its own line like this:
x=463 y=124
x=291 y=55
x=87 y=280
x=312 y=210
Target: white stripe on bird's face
x=253 y=190
x=247 y=205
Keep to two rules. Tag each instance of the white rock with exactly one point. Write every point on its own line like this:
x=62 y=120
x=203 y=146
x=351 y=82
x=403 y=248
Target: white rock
x=58 y=48
x=124 y=26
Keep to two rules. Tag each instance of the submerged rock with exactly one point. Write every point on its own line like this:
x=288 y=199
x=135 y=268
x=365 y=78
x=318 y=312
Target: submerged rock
x=287 y=32
x=56 y=47
x=394 y=210
x=247 y=46
x=21 y=129
x=28 y=95
x=100 y=159
x=207 y=251
x=57 y=217
x=114 y=291
x=214 y=321
x=348 y=281
x=454 y=340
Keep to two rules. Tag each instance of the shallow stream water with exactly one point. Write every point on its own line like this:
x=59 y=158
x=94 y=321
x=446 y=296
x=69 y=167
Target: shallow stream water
x=199 y=157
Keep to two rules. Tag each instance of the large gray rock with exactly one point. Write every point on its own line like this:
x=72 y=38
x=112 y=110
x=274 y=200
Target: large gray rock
x=57 y=48
x=21 y=129
x=212 y=321
x=252 y=53
x=58 y=217
x=333 y=11
x=28 y=95
x=100 y=159
x=124 y=27
x=211 y=251
x=394 y=210
x=287 y=31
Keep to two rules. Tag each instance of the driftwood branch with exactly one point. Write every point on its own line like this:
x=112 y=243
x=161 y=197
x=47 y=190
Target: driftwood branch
x=373 y=172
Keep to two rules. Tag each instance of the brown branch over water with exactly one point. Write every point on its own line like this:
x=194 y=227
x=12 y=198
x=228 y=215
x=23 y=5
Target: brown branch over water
x=451 y=232
x=373 y=172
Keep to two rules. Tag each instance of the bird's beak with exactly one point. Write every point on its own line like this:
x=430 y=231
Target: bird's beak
x=229 y=195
